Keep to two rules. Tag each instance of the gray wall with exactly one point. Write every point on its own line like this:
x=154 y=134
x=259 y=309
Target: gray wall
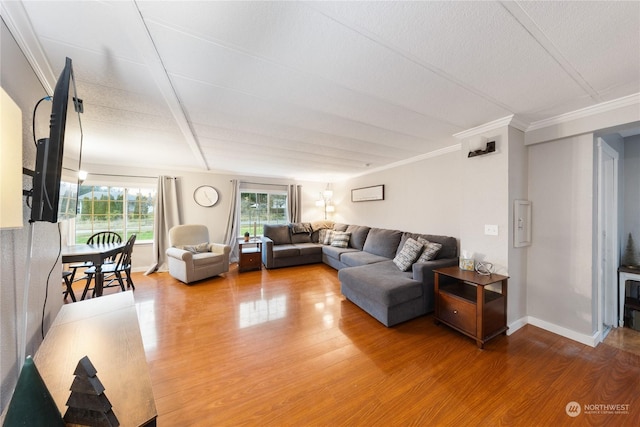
x=631 y=193
x=19 y=81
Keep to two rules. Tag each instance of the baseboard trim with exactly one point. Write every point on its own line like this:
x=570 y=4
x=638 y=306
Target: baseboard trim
x=590 y=340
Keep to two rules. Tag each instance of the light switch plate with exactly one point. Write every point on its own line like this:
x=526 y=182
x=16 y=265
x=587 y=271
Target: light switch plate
x=490 y=230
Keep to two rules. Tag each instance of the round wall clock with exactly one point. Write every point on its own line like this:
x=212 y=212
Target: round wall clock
x=206 y=196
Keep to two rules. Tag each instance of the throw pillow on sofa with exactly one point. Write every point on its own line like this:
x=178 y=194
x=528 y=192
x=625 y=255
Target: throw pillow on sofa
x=430 y=251
x=408 y=255
x=326 y=237
x=340 y=239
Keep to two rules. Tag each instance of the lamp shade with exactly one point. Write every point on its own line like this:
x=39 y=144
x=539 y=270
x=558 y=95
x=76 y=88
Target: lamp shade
x=10 y=162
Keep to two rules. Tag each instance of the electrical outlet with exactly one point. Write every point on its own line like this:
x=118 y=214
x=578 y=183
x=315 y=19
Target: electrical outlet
x=490 y=230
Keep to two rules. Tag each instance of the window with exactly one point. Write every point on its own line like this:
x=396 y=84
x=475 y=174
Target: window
x=262 y=207
x=103 y=208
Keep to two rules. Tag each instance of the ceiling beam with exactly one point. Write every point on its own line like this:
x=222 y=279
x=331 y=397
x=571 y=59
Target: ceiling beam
x=139 y=34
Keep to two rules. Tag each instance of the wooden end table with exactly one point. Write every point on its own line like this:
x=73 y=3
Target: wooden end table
x=250 y=255
x=466 y=305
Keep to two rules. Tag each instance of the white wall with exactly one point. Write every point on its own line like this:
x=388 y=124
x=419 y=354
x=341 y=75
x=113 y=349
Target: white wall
x=420 y=197
x=20 y=82
x=215 y=217
x=559 y=271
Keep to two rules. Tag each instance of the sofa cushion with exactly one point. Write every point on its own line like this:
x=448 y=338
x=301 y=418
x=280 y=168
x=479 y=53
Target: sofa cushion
x=356 y=258
x=278 y=233
x=409 y=253
x=430 y=250
x=382 y=242
x=284 y=251
x=381 y=282
x=309 y=248
x=358 y=235
x=335 y=252
x=340 y=227
x=340 y=239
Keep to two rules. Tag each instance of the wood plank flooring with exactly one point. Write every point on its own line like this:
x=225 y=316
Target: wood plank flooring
x=284 y=348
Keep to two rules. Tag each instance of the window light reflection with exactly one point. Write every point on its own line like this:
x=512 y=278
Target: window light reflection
x=147 y=320
x=261 y=311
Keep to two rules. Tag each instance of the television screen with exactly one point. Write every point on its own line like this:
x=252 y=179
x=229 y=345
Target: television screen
x=55 y=182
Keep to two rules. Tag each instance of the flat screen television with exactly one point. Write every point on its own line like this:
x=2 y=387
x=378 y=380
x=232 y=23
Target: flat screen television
x=55 y=180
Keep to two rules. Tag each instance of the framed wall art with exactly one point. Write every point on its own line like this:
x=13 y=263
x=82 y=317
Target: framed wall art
x=367 y=194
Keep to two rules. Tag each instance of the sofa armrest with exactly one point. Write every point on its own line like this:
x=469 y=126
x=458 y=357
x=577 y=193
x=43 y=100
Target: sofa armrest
x=423 y=271
x=180 y=254
x=267 y=252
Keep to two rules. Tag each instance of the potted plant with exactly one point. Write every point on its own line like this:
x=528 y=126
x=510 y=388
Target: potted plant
x=246 y=236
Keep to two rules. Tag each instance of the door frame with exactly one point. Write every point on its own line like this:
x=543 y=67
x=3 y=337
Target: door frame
x=607 y=219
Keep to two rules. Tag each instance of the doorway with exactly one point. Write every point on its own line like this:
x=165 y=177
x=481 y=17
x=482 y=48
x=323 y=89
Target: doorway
x=609 y=314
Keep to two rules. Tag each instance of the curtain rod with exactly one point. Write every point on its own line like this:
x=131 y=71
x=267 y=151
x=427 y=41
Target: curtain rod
x=127 y=176
x=260 y=183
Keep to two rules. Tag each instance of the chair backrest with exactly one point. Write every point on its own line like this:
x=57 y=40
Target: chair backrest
x=190 y=234
x=104 y=237
x=124 y=256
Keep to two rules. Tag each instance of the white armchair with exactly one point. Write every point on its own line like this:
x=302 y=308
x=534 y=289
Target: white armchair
x=191 y=257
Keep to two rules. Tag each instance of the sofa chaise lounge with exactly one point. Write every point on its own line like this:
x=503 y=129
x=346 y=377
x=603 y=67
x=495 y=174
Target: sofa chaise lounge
x=367 y=265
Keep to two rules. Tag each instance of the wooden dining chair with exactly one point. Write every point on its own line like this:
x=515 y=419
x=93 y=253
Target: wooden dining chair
x=67 y=277
x=101 y=237
x=115 y=273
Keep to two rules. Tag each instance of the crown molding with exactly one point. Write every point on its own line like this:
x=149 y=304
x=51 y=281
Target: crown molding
x=593 y=110
x=15 y=16
x=511 y=120
x=436 y=153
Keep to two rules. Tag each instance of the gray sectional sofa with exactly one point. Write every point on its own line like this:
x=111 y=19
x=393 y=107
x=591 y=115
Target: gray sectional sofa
x=367 y=267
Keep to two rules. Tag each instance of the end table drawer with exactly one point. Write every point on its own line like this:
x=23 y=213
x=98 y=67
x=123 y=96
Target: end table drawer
x=457 y=313
x=251 y=260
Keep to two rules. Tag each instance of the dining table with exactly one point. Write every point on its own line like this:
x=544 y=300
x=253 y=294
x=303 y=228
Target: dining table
x=95 y=254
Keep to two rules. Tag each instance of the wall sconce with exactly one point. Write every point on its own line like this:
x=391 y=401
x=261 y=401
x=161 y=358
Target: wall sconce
x=490 y=147
x=325 y=201
x=10 y=162
x=82 y=175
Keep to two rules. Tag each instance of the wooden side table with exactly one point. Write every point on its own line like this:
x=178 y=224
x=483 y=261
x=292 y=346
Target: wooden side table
x=467 y=306
x=250 y=255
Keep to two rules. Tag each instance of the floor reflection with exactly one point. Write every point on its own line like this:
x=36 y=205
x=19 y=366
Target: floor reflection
x=262 y=310
x=147 y=321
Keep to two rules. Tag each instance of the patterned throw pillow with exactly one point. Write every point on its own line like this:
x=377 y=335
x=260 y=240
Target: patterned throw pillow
x=430 y=251
x=327 y=238
x=340 y=239
x=408 y=255
x=196 y=249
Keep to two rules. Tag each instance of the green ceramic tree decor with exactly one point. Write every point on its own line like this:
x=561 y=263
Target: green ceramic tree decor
x=629 y=258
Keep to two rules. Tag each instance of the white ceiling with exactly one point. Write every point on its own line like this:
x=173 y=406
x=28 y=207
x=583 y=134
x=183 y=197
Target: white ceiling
x=320 y=90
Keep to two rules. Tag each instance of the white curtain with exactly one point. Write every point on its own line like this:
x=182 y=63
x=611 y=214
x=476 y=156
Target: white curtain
x=167 y=214
x=231 y=235
x=294 y=200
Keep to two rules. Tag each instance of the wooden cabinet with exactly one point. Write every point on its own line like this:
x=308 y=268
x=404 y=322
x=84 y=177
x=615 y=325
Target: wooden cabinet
x=250 y=255
x=465 y=303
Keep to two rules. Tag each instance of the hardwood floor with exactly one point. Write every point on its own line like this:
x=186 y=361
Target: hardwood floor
x=283 y=347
